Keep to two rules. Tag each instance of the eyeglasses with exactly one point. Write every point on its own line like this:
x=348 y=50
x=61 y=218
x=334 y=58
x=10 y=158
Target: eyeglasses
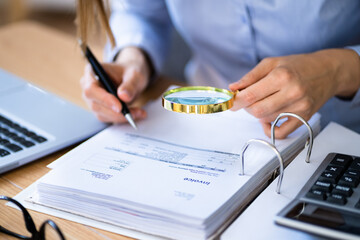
x=25 y=229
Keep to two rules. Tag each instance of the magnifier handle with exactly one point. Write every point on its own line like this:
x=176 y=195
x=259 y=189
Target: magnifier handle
x=236 y=92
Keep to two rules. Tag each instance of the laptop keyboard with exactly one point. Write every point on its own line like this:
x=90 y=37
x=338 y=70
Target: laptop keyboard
x=16 y=138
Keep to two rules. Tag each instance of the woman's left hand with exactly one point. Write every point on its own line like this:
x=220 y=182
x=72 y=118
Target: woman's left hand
x=299 y=84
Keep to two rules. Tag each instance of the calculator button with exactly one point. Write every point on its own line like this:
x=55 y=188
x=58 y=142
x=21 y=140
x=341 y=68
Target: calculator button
x=316 y=194
x=341 y=160
x=334 y=169
x=357 y=205
x=337 y=199
x=329 y=177
x=355 y=166
x=343 y=190
x=349 y=181
x=322 y=186
x=352 y=173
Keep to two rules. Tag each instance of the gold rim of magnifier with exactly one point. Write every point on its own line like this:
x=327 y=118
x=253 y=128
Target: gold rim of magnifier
x=198 y=109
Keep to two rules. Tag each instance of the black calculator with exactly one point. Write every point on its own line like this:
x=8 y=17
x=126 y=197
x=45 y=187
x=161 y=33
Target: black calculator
x=329 y=203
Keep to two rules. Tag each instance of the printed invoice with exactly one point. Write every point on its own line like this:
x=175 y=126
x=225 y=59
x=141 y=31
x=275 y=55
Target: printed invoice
x=177 y=176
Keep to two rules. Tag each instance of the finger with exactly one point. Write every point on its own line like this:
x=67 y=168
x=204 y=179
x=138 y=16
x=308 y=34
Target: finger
x=257 y=73
x=266 y=107
x=107 y=119
x=133 y=83
x=114 y=71
x=88 y=77
x=300 y=108
x=136 y=113
x=94 y=93
x=260 y=90
x=267 y=128
x=104 y=112
x=107 y=115
x=282 y=131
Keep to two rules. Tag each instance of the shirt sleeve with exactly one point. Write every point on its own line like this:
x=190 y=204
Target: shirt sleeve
x=355 y=102
x=140 y=23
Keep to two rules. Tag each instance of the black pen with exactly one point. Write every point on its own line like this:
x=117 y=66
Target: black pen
x=106 y=81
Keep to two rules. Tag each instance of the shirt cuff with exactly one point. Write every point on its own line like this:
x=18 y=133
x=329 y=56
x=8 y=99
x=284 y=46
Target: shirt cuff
x=150 y=34
x=356 y=48
x=135 y=40
x=355 y=101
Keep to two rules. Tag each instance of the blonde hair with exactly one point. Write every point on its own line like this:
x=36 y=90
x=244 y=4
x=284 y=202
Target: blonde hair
x=89 y=14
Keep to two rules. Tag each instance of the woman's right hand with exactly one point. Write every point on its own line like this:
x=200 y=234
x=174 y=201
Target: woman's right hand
x=130 y=74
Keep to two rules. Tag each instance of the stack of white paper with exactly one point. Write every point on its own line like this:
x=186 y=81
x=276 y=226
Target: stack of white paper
x=177 y=176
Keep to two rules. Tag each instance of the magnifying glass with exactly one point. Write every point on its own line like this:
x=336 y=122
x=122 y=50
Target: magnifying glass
x=198 y=100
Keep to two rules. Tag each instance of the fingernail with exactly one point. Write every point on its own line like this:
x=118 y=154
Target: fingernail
x=123 y=92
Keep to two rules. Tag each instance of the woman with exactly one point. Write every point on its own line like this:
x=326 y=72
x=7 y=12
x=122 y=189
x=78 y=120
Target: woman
x=284 y=56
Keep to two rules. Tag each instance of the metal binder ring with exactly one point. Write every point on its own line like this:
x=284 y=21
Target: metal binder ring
x=310 y=140
x=281 y=162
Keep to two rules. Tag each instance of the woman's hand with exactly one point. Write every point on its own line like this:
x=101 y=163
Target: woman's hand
x=299 y=84
x=130 y=74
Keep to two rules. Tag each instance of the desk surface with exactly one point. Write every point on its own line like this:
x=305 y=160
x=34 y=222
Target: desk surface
x=51 y=60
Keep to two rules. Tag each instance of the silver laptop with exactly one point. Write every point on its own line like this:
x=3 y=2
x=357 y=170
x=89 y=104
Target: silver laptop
x=34 y=123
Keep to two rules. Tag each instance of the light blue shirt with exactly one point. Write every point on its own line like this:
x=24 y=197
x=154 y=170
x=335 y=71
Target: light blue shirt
x=229 y=37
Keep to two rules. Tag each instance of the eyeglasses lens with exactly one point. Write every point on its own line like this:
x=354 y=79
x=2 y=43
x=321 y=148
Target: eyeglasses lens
x=51 y=233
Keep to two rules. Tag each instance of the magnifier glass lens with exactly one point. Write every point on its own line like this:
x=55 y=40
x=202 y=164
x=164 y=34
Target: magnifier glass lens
x=198 y=100
x=198 y=97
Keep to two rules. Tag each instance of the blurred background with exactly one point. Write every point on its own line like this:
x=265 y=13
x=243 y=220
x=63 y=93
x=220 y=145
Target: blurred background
x=60 y=15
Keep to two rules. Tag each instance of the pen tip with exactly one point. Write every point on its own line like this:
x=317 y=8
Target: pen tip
x=130 y=120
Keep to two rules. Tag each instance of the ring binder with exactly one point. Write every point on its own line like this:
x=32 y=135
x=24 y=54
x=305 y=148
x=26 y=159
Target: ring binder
x=311 y=135
x=281 y=162
x=114 y=158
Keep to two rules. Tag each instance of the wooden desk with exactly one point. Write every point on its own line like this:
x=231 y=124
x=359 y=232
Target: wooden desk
x=51 y=60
